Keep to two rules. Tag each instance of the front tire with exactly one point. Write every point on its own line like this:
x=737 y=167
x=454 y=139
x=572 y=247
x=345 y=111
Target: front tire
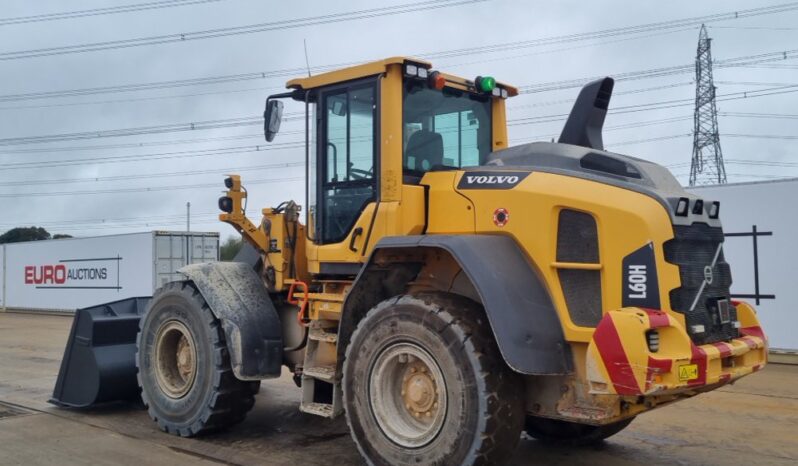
x=184 y=371
x=424 y=383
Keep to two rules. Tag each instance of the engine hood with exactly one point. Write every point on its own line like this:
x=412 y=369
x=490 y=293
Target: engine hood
x=596 y=165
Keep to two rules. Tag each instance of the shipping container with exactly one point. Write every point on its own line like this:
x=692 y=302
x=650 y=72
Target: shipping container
x=67 y=274
x=760 y=221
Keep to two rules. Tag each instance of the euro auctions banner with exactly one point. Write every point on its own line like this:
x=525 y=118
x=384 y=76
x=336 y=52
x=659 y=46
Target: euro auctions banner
x=89 y=273
x=68 y=274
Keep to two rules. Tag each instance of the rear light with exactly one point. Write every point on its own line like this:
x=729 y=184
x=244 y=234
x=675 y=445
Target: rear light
x=698 y=207
x=714 y=209
x=652 y=338
x=681 y=207
x=696 y=329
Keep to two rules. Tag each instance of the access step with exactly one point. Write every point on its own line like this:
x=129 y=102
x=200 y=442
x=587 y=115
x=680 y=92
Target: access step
x=328 y=334
x=323 y=373
x=319 y=409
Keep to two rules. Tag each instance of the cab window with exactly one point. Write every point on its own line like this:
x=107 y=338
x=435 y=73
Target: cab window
x=444 y=129
x=348 y=159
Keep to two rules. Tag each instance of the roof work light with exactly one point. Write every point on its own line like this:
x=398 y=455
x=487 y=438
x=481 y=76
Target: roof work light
x=485 y=83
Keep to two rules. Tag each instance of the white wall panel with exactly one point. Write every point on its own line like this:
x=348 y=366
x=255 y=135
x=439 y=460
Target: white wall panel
x=773 y=208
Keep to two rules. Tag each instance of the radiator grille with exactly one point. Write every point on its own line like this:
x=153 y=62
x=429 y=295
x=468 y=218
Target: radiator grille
x=582 y=290
x=577 y=241
x=577 y=238
x=692 y=249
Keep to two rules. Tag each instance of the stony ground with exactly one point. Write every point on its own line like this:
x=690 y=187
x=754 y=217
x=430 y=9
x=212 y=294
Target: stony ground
x=752 y=422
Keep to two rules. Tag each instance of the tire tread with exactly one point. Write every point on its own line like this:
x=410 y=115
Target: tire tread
x=231 y=398
x=500 y=388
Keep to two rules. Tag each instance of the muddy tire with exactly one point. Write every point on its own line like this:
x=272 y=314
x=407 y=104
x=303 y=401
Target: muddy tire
x=184 y=371
x=570 y=433
x=424 y=383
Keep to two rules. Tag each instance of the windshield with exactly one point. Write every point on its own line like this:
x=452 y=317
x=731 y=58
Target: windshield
x=447 y=128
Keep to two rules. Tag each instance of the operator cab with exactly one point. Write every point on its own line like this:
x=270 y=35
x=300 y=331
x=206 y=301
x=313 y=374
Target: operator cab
x=372 y=132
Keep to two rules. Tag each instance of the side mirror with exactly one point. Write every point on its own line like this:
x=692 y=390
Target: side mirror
x=271 y=119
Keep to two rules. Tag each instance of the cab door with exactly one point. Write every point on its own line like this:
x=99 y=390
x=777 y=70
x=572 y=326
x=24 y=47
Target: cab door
x=346 y=174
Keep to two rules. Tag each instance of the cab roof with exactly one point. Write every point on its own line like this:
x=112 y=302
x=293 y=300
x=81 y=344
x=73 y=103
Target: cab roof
x=370 y=69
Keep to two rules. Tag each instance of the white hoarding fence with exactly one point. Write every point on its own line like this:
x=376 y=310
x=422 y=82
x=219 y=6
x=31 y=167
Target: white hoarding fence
x=760 y=221
x=68 y=274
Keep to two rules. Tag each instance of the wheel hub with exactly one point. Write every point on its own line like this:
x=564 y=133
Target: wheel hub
x=419 y=390
x=175 y=359
x=408 y=395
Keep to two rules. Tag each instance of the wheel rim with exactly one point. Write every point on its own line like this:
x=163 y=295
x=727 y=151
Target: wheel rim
x=176 y=359
x=408 y=395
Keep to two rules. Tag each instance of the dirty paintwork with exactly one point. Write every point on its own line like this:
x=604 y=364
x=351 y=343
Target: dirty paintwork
x=238 y=298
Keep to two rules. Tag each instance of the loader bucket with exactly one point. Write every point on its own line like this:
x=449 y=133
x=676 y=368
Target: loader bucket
x=99 y=361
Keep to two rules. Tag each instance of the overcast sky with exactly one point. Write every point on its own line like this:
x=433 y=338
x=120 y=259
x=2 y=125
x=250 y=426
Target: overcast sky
x=412 y=33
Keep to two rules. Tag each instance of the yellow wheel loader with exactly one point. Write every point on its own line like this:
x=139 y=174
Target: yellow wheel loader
x=445 y=291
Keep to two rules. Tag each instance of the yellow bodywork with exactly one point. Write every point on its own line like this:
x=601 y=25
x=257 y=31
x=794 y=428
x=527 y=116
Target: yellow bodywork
x=626 y=221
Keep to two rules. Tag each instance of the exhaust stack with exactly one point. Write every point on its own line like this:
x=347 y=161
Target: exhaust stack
x=586 y=120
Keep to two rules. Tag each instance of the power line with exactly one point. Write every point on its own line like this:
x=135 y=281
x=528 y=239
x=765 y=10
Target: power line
x=764 y=163
x=660 y=105
x=90 y=221
x=614 y=94
x=137 y=145
x=144 y=99
x=670 y=24
x=238 y=30
x=134 y=226
x=257 y=120
x=136 y=131
x=146 y=176
x=660 y=72
x=101 y=11
x=778 y=116
x=150 y=157
x=764 y=28
x=146 y=189
x=428 y=55
x=774 y=66
x=761 y=136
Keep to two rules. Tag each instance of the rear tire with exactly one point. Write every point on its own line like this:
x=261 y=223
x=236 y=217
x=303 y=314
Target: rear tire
x=571 y=433
x=184 y=370
x=401 y=354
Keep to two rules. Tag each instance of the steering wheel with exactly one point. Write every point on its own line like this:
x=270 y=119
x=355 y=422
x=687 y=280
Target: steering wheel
x=360 y=174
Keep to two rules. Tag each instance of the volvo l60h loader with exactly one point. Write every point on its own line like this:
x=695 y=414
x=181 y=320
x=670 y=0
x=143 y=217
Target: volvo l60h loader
x=445 y=291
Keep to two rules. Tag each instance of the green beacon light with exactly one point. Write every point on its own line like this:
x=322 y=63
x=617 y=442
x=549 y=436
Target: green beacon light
x=485 y=83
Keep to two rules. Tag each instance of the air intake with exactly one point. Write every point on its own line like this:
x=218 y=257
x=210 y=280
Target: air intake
x=577 y=242
x=586 y=120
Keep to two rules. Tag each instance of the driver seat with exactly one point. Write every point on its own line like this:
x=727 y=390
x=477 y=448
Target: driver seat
x=426 y=148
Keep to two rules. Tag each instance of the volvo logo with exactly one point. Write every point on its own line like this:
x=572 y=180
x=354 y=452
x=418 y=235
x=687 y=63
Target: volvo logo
x=491 y=180
x=708 y=274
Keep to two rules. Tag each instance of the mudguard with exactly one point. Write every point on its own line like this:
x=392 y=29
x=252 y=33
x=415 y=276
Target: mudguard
x=239 y=299
x=519 y=309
